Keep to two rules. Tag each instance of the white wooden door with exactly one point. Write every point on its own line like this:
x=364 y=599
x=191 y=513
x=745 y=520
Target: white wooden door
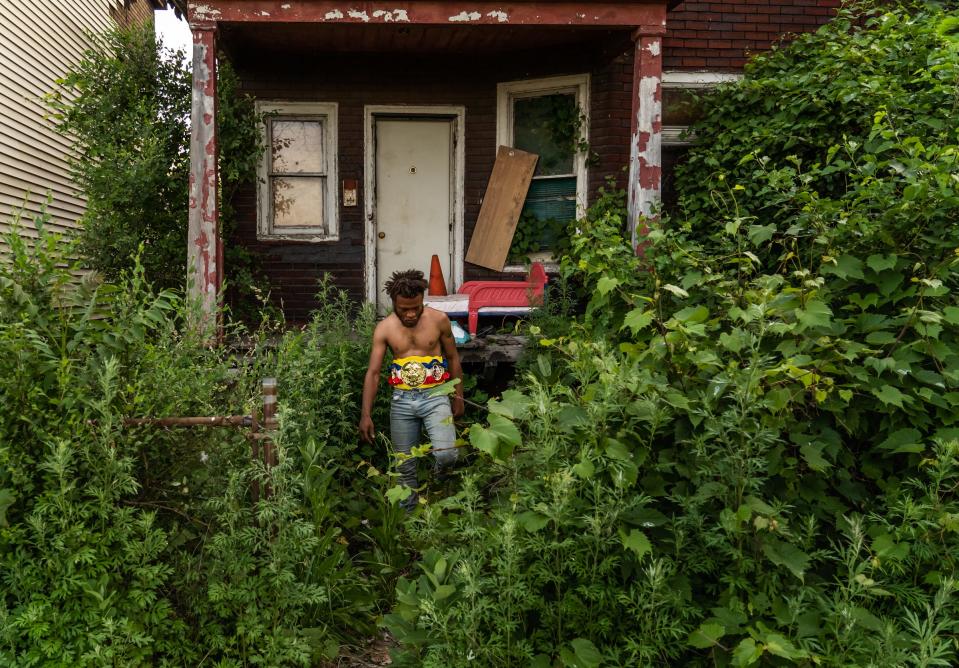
x=413 y=214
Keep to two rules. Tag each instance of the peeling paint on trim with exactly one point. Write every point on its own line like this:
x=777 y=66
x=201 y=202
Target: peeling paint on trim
x=465 y=16
x=205 y=13
x=499 y=15
x=394 y=16
x=359 y=14
x=333 y=15
x=645 y=150
x=205 y=248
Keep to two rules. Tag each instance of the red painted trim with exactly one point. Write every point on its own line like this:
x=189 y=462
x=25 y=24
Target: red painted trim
x=651 y=15
x=645 y=168
x=205 y=249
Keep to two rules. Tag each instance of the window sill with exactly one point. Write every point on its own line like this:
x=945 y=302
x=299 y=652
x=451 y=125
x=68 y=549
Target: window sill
x=550 y=264
x=302 y=237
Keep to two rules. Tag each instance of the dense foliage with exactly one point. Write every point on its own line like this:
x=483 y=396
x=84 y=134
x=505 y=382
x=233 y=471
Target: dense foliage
x=126 y=109
x=747 y=453
x=141 y=545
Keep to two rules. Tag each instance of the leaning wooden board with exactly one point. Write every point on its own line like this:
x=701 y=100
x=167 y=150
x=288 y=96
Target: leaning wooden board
x=502 y=205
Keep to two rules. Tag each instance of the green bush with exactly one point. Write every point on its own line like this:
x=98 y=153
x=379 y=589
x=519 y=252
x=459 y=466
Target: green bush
x=746 y=453
x=140 y=545
x=125 y=108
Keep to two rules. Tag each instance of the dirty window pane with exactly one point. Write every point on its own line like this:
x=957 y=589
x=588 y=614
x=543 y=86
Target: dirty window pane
x=298 y=147
x=547 y=125
x=679 y=106
x=298 y=202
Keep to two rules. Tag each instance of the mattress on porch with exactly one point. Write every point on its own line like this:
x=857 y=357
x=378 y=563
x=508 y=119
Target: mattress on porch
x=459 y=305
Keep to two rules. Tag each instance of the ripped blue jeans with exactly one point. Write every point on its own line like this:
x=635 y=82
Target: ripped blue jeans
x=410 y=412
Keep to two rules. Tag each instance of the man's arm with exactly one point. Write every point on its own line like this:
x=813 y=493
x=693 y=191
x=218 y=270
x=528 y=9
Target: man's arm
x=372 y=381
x=448 y=344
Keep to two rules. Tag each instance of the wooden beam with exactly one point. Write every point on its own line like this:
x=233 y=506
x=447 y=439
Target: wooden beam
x=204 y=246
x=650 y=15
x=645 y=144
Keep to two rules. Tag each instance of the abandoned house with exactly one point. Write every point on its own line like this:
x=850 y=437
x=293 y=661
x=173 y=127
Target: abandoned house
x=384 y=122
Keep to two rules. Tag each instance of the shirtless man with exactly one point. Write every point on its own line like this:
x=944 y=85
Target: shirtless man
x=424 y=357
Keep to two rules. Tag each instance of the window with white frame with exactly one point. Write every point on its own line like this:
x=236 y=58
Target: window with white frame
x=297 y=195
x=548 y=117
x=679 y=111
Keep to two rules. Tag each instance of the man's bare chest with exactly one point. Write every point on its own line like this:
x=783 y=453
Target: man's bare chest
x=416 y=341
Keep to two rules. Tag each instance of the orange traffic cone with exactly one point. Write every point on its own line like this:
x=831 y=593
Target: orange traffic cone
x=437 y=284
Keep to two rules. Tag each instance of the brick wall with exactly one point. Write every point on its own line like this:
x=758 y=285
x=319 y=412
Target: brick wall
x=354 y=81
x=721 y=34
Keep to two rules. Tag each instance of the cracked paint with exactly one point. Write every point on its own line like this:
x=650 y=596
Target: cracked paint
x=500 y=16
x=395 y=16
x=359 y=14
x=465 y=16
x=333 y=15
x=204 y=252
x=205 y=13
x=645 y=151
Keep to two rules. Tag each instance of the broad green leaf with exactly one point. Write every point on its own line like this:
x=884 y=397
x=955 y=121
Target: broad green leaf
x=532 y=521
x=638 y=319
x=868 y=620
x=847 y=266
x=483 y=439
x=444 y=591
x=587 y=656
x=951 y=315
x=746 y=653
x=512 y=404
x=445 y=389
x=505 y=430
x=733 y=341
x=571 y=417
x=707 y=635
x=636 y=541
x=812 y=453
x=760 y=234
x=584 y=469
x=881 y=262
x=815 y=314
x=903 y=440
x=617 y=450
x=606 y=284
x=398 y=493
x=780 y=646
x=880 y=338
x=888 y=394
x=782 y=553
x=692 y=314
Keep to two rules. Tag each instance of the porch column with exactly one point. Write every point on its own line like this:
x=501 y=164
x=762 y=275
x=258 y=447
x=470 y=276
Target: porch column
x=204 y=245
x=645 y=149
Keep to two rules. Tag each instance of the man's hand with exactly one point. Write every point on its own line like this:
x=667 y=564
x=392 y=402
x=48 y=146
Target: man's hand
x=366 y=428
x=458 y=406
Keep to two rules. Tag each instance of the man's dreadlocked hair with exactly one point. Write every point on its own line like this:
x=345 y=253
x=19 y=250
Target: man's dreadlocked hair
x=409 y=283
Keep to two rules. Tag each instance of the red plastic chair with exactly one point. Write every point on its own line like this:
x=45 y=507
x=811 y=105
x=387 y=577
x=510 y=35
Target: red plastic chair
x=504 y=293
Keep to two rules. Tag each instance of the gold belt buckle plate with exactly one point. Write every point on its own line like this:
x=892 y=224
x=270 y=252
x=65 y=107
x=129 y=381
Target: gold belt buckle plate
x=413 y=373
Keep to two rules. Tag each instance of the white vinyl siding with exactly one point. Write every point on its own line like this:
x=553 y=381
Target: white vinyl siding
x=40 y=40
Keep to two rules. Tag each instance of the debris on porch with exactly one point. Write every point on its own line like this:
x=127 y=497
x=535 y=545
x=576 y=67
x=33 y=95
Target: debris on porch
x=502 y=204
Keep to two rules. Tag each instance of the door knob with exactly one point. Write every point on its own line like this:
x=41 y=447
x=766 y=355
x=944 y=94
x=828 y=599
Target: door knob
x=382 y=235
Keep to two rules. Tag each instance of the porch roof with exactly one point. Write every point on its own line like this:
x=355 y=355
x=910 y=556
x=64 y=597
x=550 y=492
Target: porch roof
x=648 y=16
